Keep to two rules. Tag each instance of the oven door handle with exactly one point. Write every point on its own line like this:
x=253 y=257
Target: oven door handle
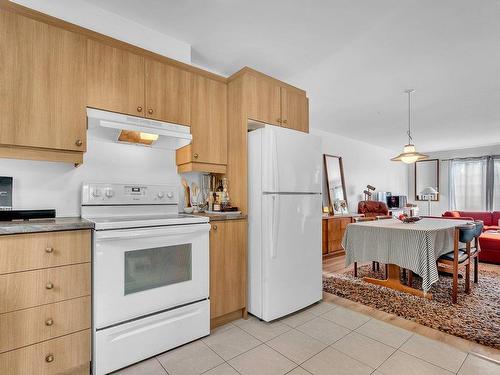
x=152 y=232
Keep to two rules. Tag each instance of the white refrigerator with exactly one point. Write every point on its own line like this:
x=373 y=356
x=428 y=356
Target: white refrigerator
x=284 y=212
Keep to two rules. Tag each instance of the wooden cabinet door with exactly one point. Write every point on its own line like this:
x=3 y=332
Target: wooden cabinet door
x=228 y=267
x=208 y=120
x=167 y=93
x=295 y=110
x=42 y=85
x=263 y=99
x=115 y=79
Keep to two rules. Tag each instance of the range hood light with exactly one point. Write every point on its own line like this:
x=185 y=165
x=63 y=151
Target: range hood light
x=148 y=136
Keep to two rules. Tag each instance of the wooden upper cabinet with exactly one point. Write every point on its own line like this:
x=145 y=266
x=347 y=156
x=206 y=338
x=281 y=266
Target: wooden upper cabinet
x=208 y=120
x=228 y=267
x=295 y=110
x=42 y=81
x=167 y=93
x=263 y=101
x=115 y=79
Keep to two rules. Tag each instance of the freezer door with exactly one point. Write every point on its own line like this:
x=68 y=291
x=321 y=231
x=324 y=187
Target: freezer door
x=291 y=253
x=291 y=161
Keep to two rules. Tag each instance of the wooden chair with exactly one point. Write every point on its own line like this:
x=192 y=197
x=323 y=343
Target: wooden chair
x=476 y=249
x=459 y=257
x=359 y=220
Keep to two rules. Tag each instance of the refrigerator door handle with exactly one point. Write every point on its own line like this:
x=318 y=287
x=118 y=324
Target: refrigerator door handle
x=274 y=227
x=275 y=164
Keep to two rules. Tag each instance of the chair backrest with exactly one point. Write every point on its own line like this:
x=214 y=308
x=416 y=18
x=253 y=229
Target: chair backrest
x=479 y=227
x=372 y=208
x=361 y=219
x=467 y=232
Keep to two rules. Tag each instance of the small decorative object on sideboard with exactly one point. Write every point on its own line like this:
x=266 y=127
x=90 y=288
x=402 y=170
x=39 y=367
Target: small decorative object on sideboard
x=368 y=192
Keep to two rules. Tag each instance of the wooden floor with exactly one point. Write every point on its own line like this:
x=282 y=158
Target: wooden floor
x=337 y=264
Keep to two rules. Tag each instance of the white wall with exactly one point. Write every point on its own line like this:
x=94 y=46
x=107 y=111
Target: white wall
x=437 y=208
x=41 y=184
x=365 y=164
x=94 y=18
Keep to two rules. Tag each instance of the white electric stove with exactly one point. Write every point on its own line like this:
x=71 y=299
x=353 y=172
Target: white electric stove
x=150 y=273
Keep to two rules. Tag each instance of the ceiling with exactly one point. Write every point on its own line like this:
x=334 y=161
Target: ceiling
x=355 y=58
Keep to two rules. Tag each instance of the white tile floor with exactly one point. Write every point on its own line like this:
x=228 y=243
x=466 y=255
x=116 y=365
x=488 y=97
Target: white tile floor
x=324 y=339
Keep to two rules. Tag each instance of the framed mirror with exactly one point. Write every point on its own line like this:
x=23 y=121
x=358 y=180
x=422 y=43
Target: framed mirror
x=334 y=172
x=427 y=180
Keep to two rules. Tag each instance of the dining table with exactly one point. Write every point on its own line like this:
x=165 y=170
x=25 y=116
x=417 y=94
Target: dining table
x=413 y=246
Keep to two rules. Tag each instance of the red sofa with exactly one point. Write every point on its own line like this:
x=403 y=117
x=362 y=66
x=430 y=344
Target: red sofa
x=489 y=242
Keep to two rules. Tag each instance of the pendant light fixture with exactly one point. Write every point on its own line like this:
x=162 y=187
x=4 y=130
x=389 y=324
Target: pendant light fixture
x=409 y=155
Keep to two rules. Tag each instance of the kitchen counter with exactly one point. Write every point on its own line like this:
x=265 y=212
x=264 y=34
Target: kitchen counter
x=44 y=225
x=223 y=217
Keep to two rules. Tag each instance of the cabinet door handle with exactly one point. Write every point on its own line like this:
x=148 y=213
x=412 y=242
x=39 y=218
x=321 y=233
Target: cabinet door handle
x=278 y=121
x=214 y=227
x=49 y=285
x=150 y=111
x=139 y=109
x=49 y=250
x=285 y=122
x=78 y=142
x=49 y=322
x=49 y=358
x=196 y=156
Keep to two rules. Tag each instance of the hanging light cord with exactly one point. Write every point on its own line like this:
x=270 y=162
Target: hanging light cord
x=410 y=139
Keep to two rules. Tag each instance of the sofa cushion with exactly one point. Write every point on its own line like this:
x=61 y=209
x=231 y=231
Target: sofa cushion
x=451 y=214
x=486 y=217
x=495 y=218
x=491 y=227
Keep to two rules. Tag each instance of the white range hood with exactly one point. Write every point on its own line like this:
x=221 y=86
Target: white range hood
x=116 y=127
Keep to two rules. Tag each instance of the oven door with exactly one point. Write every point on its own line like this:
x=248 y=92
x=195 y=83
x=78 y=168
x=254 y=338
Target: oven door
x=143 y=271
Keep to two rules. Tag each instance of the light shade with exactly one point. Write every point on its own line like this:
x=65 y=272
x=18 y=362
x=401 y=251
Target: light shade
x=409 y=155
x=429 y=191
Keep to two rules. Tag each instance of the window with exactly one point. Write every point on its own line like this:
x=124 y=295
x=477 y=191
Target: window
x=474 y=184
x=468 y=185
x=496 y=184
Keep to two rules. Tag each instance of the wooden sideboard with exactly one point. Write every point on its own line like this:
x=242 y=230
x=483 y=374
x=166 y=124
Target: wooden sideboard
x=333 y=228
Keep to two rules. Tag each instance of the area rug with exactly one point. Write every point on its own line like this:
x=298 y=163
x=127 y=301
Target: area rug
x=475 y=317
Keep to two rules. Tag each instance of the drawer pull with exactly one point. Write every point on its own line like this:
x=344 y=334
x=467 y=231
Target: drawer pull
x=49 y=322
x=49 y=358
x=150 y=111
x=214 y=227
x=49 y=250
x=49 y=285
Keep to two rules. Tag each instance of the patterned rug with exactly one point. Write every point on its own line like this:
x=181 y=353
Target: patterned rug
x=475 y=317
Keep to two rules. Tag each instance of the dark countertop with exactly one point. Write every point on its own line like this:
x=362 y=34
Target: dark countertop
x=44 y=225
x=223 y=217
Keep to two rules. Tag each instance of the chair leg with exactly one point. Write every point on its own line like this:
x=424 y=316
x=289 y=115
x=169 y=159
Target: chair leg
x=455 y=286
x=378 y=266
x=386 y=272
x=476 y=267
x=373 y=266
x=355 y=269
x=404 y=273
x=410 y=278
x=467 y=278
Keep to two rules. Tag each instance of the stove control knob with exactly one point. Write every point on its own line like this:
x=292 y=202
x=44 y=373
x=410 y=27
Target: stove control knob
x=109 y=193
x=161 y=194
x=96 y=193
x=170 y=195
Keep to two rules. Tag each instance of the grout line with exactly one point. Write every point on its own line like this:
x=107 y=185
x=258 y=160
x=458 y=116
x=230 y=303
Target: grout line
x=462 y=365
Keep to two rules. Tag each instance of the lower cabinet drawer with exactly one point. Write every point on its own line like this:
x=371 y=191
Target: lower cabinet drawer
x=66 y=355
x=34 y=288
x=30 y=326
